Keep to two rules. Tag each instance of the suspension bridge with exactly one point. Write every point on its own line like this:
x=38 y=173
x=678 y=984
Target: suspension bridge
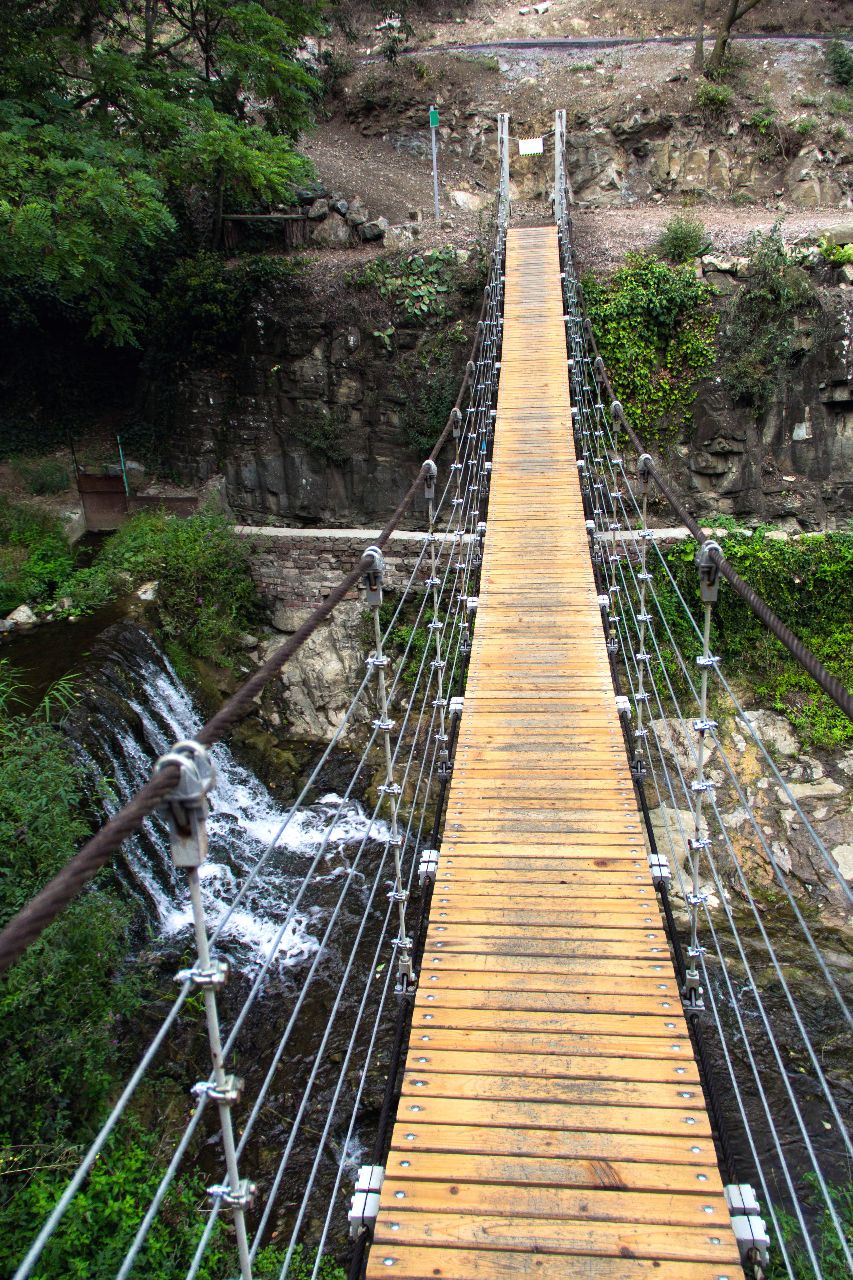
x=576 y=1082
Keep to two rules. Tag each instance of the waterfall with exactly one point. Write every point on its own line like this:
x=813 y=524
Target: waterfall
x=134 y=708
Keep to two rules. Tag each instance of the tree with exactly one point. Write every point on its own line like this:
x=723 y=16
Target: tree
x=735 y=10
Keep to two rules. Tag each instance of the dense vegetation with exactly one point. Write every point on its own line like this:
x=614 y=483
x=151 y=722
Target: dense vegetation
x=205 y=592
x=809 y=583
x=655 y=327
x=125 y=133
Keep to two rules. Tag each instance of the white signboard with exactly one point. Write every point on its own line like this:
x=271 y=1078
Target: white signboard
x=530 y=146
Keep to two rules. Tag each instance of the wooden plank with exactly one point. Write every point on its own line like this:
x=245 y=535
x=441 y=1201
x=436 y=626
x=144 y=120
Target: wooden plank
x=551 y=1120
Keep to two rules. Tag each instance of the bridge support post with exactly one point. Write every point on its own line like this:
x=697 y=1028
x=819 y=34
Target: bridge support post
x=389 y=791
x=186 y=815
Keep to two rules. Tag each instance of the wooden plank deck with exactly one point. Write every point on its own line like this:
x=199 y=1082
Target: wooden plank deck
x=551 y=1123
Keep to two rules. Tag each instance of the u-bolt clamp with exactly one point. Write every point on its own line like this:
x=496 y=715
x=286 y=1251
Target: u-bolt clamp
x=644 y=474
x=456 y=414
x=185 y=809
x=373 y=571
x=430 y=473
x=709 y=570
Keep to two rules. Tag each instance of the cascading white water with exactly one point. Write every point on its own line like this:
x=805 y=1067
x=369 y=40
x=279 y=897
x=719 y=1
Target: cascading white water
x=245 y=817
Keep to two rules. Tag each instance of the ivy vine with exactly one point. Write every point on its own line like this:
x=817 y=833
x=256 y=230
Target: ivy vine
x=655 y=326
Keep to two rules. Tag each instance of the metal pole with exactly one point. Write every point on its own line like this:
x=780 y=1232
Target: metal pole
x=186 y=813
x=123 y=469
x=433 y=132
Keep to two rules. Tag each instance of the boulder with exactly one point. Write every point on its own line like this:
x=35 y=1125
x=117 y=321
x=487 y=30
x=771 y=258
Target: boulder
x=356 y=214
x=340 y=206
x=331 y=233
x=319 y=210
x=468 y=201
x=23 y=616
x=370 y=231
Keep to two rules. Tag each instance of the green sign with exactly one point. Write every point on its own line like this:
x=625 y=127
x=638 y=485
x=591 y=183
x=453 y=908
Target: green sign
x=433 y=118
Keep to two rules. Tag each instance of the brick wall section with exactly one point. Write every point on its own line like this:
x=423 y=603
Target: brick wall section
x=295 y=568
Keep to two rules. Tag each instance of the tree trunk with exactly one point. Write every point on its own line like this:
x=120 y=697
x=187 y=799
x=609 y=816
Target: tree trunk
x=699 y=49
x=736 y=10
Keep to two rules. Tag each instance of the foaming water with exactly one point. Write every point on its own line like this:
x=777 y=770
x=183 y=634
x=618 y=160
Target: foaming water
x=245 y=817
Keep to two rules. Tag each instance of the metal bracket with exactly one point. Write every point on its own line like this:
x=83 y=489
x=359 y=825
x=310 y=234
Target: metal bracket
x=623 y=705
x=456 y=706
x=692 y=992
x=704 y=726
x=228 y=1093
x=709 y=572
x=213 y=978
x=659 y=867
x=428 y=866
x=384 y=726
x=373 y=575
x=741 y=1199
x=240 y=1199
x=431 y=471
x=472 y=603
x=185 y=809
x=364 y=1204
x=644 y=474
x=751 y=1237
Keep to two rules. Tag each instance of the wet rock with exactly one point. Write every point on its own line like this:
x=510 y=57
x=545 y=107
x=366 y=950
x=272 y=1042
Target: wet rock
x=23 y=616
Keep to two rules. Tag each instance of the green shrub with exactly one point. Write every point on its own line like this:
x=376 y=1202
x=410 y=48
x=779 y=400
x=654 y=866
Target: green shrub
x=713 y=99
x=683 y=238
x=34 y=556
x=806 y=127
x=418 y=284
x=757 y=334
x=763 y=119
x=837 y=254
x=808 y=582
x=655 y=327
x=839 y=62
x=203 y=302
x=43 y=475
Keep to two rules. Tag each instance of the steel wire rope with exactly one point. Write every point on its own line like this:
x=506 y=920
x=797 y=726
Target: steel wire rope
x=769 y=1032
x=747 y=807
x=739 y=871
x=720 y=676
x=675 y=862
x=46 y=905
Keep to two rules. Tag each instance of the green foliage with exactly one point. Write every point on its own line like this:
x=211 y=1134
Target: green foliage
x=839 y=62
x=833 y=1264
x=121 y=142
x=763 y=119
x=655 y=327
x=806 y=127
x=713 y=99
x=808 y=582
x=837 y=254
x=205 y=591
x=95 y=1233
x=269 y=1262
x=432 y=383
x=683 y=238
x=43 y=475
x=203 y=301
x=327 y=433
x=34 y=556
x=418 y=284
x=757 y=334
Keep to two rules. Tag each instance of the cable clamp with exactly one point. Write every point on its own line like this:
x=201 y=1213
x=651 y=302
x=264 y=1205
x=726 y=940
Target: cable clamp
x=457 y=502
x=431 y=582
x=623 y=705
x=641 y=696
x=615 y=588
x=388 y=789
x=374 y=663
x=435 y=625
x=240 y=1199
x=186 y=808
x=646 y=535
x=698 y=843
x=752 y=1239
x=428 y=866
x=439 y=702
x=710 y=661
x=645 y=618
x=227 y=1094
x=213 y=978
x=696 y=899
x=692 y=992
x=384 y=726
x=701 y=787
x=364 y=1204
x=643 y=657
x=438 y=664
x=641 y=733
x=614 y=559
x=704 y=726
x=644 y=577
x=399 y=895
x=394 y=841
x=659 y=867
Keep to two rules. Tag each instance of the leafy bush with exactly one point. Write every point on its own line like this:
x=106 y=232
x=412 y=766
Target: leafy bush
x=713 y=99
x=417 y=284
x=432 y=383
x=34 y=556
x=837 y=254
x=202 y=305
x=44 y=475
x=655 y=327
x=757 y=334
x=806 y=127
x=808 y=582
x=839 y=61
x=683 y=238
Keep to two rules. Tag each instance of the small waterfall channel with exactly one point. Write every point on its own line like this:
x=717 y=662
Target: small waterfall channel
x=134 y=707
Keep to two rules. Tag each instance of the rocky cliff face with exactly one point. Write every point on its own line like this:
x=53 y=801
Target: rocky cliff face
x=308 y=422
